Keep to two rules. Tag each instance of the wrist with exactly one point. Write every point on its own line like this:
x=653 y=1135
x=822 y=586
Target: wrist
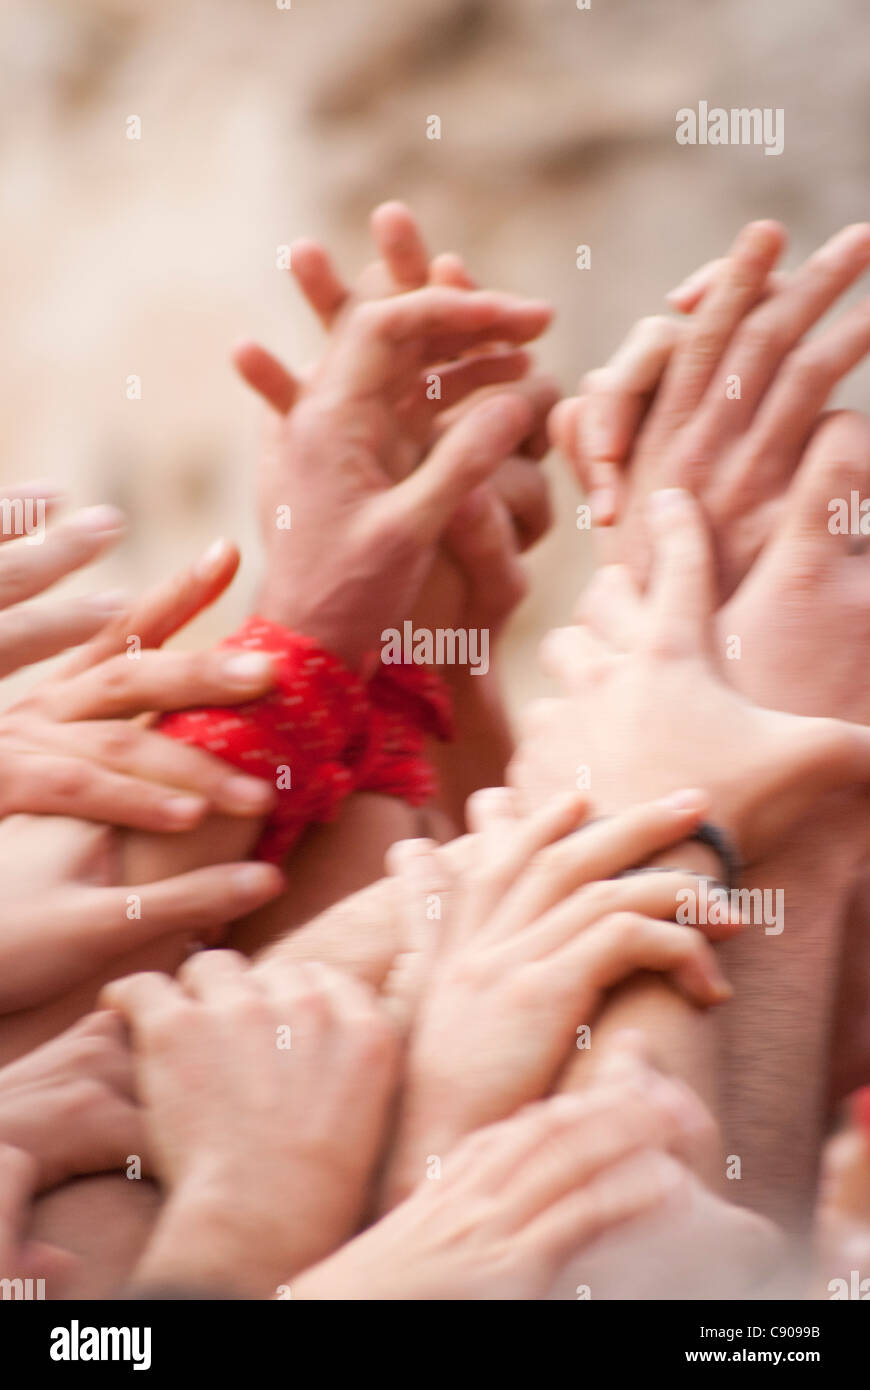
x=334 y=635
x=204 y=1239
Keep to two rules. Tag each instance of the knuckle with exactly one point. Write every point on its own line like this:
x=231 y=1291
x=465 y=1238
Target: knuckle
x=625 y=927
x=761 y=335
x=375 y=1038
x=115 y=677
x=118 y=741
x=66 y=780
x=807 y=365
x=665 y=1172
x=600 y=897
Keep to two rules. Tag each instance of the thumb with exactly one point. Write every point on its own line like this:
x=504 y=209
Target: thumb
x=465 y=456
x=681 y=586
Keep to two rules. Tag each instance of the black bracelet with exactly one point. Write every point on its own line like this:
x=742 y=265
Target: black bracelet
x=721 y=843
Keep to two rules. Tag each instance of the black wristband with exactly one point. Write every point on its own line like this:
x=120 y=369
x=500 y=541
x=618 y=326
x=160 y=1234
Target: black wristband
x=722 y=845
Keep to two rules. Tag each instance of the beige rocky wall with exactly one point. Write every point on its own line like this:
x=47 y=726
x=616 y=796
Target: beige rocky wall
x=151 y=256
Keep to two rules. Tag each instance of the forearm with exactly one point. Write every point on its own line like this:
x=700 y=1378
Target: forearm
x=683 y=1040
x=777 y=1032
x=479 y=754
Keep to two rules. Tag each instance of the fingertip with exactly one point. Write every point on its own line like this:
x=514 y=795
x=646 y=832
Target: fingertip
x=258 y=880
x=388 y=211
x=688 y=801
x=220 y=554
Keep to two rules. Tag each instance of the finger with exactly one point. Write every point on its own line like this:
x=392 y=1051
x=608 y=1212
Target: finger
x=155 y=680
x=312 y=268
x=770 y=333
x=140 y=1000
x=599 y=477
x=686 y=296
x=457 y=380
x=163 y=611
x=25 y=507
x=642 y=1182
x=800 y=392
x=152 y=763
x=581 y=1135
x=17 y=1180
x=595 y=853
x=572 y=654
x=465 y=457
x=32 y=632
x=537 y=388
x=494 y=810
x=524 y=489
x=616 y=400
x=483 y=542
x=449 y=269
x=503 y=857
x=616 y=947
x=266 y=375
x=425 y=881
x=218 y=978
x=612 y=606
x=112 y=1061
x=399 y=241
x=387 y=339
x=681 y=588
x=29 y=566
x=835 y=460
x=352 y=1002
x=190 y=902
x=708 y=332
x=51 y=785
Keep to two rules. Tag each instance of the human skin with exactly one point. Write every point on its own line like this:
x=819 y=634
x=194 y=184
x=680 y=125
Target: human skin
x=782 y=628
x=804 y=598
x=30 y=566
x=71 y=1103
x=842 y=1216
x=527 y=943
x=282 y=1142
x=476 y=578
x=739 y=398
x=519 y=1204
x=460 y=458
x=22 y=1256
x=549 y=756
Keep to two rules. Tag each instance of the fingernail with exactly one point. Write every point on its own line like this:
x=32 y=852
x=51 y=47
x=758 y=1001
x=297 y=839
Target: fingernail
x=246 y=668
x=688 y=799
x=668 y=499
x=209 y=559
x=496 y=799
x=722 y=990
x=183 y=810
x=250 y=878
x=115 y=601
x=246 y=793
x=99 y=519
x=602 y=505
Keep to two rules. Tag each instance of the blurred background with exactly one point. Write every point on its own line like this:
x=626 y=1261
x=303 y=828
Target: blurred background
x=259 y=124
